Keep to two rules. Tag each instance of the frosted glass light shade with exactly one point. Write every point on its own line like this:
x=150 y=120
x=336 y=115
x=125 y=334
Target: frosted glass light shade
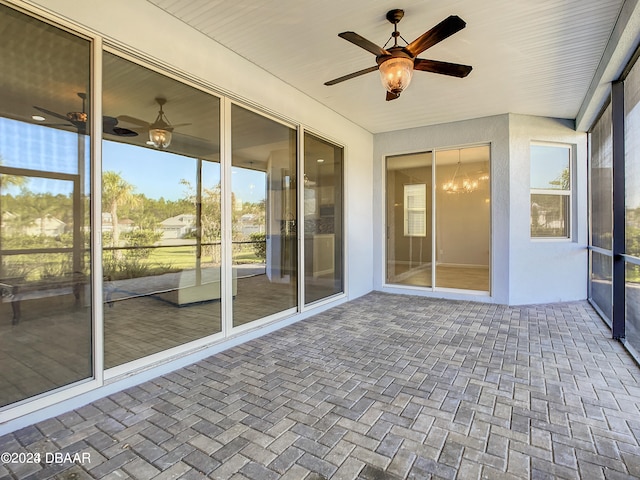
x=396 y=74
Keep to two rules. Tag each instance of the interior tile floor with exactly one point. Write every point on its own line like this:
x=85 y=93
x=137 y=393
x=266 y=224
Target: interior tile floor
x=383 y=387
x=447 y=276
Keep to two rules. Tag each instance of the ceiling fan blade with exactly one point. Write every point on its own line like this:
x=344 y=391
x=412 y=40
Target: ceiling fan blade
x=53 y=114
x=351 y=75
x=134 y=120
x=392 y=96
x=444 y=29
x=180 y=125
x=120 y=132
x=362 y=42
x=444 y=68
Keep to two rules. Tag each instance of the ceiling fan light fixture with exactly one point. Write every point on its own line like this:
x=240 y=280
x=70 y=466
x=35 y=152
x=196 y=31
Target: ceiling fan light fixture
x=160 y=137
x=396 y=74
x=160 y=131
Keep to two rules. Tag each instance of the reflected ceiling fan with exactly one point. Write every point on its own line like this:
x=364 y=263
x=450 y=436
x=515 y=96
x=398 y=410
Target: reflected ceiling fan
x=79 y=120
x=160 y=131
x=397 y=63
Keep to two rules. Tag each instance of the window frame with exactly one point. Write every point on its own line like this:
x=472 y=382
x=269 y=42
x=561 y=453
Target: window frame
x=559 y=192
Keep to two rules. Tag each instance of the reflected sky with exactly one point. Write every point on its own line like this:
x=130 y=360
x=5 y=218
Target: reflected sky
x=154 y=173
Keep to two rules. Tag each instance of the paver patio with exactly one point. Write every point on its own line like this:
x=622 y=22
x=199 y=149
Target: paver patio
x=383 y=387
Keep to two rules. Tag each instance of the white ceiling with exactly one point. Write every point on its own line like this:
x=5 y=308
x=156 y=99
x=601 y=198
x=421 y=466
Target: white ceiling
x=536 y=58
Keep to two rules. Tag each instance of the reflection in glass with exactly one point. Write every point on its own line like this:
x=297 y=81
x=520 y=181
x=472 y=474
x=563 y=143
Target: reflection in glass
x=549 y=167
x=160 y=215
x=45 y=270
x=549 y=215
x=632 y=300
x=463 y=218
x=322 y=219
x=632 y=204
x=632 y=161
x=264 y=216
x=550 y=191
x=409 y=233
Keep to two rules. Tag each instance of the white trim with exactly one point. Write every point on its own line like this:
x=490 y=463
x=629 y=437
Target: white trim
x=261 y=322
x=226 y=245
x=51 y=17
x=555 y=192
x=161 y=357
x=97 y=305
x=300 y=175
x=33 y=405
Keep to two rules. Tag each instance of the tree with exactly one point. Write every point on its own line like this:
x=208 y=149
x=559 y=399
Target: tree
x=116 y=193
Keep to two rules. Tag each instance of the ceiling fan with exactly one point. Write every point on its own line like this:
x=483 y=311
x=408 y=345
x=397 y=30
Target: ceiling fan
x=160 y=131
x=79 y=120
x=397 y=63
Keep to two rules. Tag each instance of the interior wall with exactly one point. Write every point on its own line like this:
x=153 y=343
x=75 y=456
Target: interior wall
x=546 y=270
x=414 y=251
x=146 y=30
x=459 y=214
x=488 y=130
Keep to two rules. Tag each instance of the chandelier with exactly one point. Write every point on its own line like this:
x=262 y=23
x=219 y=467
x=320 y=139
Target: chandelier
x=460 y=184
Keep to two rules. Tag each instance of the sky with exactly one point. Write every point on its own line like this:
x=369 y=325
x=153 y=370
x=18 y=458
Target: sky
x=158 y=174
x=154 y=173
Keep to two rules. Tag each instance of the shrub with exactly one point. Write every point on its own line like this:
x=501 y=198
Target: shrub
x=259 y=245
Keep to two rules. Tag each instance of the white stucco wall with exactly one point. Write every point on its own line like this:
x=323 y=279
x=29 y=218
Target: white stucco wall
x=543 y=271
x=140 y=27
x=489 y=130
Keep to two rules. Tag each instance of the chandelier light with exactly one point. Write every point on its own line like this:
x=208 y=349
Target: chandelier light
x=461 y=183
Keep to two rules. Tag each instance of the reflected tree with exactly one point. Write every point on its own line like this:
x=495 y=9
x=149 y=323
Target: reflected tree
x=116 y=193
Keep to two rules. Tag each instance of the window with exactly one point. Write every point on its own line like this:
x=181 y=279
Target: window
x=415 y=210
x=550 y=191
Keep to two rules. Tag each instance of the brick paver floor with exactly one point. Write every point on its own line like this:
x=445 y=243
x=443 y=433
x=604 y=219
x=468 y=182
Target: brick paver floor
x=384 y=387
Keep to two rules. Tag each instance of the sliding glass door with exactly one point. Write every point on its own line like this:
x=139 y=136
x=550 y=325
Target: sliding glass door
x=323 y=230
x=463 y=234
x=409 y=219
x=45 y=268
x=264 y=216
x=438 y=219
x=161 y=214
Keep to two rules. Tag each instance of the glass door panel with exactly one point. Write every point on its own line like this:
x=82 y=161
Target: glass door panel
x=408 y=220
x=264 y=216
x=45 y=268
x=161 y=214
x=463 y=218
x=322 y=219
